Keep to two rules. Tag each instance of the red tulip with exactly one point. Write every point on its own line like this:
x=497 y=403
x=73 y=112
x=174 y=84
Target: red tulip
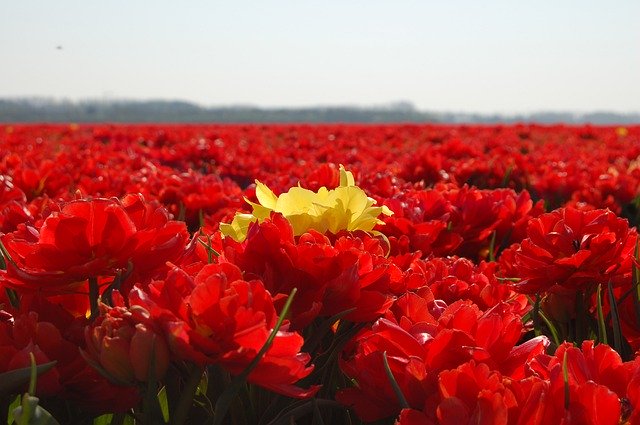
x=71 y=378
x=123 y=342
x=474 y=394
x=570 y=250
x=215 y=317
x=422 y=338
x=350 y=271
x=91 y=239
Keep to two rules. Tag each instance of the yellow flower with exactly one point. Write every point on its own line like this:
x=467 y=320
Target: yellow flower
x=346 y=207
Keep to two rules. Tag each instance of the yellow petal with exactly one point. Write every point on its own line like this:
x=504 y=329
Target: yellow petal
x=296 y=201
x=346 y=177
x=238 y=228
x=265 y=196
x=386 y=211
x=259 y=212
x=302 y=223
x=346 y=207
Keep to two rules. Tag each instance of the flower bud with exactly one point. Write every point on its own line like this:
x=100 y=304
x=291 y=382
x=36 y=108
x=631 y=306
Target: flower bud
x=125 y=349
x=146 y=348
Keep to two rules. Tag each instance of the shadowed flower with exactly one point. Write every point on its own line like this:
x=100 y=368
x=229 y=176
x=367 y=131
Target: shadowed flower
x=122 y=343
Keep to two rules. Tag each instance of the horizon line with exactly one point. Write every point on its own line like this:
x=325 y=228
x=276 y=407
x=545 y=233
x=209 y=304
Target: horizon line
x=397 y=105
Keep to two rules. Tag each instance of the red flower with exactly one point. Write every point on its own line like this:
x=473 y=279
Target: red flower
x=122 y=342
x=215 y=317
x=332 y=277
x=472 y=393
x=91 y=239
x=414 y=417
x=598 y=363
x=26 y=335
x=421 y=221
x=451 y=279
x=597 y=380
x=477 y=214
x=570 y=250
x=72 y=378
x=597 y=383
x=422 y=338
x=191 y=195
x=448 y=220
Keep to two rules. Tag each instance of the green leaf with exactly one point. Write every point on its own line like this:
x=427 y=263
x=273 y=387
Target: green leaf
x=30 y=413
x=312 y=343
x=552 y=328
x=13 y=381
x=14 y=300
x=203 y=386
x=507 y=176
x=13 y=406
x=186 y=398
x=5 y=254
x=394 y=384
x=208 y=247
x=114 y=419
x=164 y=404
x=492 y=247
x=103 y=420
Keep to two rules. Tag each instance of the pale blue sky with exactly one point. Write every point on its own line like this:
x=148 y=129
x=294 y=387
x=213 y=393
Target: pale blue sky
x=455 y=55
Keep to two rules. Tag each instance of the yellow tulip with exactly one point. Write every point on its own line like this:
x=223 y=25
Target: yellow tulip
x=346 y=207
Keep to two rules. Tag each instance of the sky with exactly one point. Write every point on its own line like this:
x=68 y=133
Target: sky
x=448 y=55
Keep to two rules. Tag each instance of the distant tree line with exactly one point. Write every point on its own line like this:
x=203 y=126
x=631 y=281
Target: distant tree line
x=159 y=111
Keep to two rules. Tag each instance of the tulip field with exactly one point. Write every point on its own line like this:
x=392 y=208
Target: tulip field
x=334 y=274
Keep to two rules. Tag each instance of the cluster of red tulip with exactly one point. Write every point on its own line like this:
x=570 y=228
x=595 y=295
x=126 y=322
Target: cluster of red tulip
x=500 y=286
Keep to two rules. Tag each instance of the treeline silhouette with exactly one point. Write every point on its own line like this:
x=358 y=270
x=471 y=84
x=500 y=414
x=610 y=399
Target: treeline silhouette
x=30 y=110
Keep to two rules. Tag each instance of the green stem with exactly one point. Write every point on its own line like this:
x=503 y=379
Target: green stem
x=636 y=284
x=615 y=321
x=305 y=409
x=536 y=315
x=94 y=294
x=565 y=376
x=14 y=300
x=602 y=329
x=151 y=406
x=492 y=247
x=186 y=399
x=224 y=401
x=581 y=321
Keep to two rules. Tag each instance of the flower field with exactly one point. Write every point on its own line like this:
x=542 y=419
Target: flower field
x=397 y=274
